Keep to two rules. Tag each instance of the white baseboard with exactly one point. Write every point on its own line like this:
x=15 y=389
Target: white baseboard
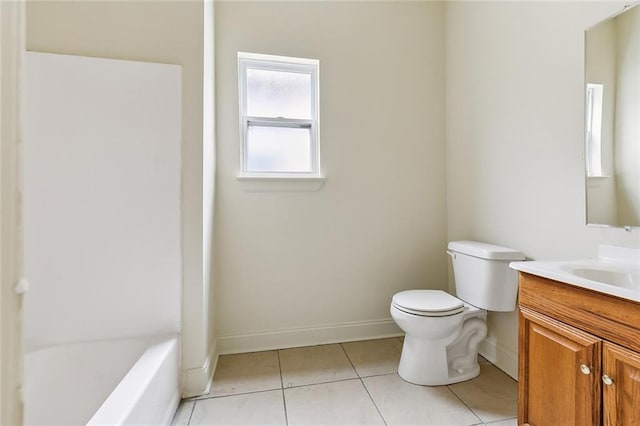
x=197 y=381
x=281 y=339
x=502 y=357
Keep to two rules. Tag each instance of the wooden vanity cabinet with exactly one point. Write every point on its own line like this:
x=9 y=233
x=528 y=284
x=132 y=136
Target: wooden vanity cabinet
x=579 y=356
x=622 y=399
x=552 y=389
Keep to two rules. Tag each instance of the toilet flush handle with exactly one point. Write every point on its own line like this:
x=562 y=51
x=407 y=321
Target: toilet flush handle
x=452 y=254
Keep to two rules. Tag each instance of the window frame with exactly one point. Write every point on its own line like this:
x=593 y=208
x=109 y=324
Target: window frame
x=284 y=64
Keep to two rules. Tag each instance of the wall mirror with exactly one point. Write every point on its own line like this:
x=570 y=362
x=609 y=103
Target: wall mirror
x=612 y=120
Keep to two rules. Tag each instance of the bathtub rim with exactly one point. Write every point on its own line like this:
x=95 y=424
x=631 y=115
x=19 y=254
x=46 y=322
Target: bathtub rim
x=130 y=385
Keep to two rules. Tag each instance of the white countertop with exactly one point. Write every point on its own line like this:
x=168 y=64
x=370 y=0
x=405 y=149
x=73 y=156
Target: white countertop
x=626 y=287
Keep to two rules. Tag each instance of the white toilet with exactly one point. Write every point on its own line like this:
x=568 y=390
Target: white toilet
x=442 y=332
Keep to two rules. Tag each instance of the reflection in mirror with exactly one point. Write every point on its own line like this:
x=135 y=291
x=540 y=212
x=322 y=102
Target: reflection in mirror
x=612 y=120
x=594 y=129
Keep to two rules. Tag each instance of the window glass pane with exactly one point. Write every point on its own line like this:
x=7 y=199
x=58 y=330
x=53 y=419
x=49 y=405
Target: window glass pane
x=278 y=94
x=278 y=149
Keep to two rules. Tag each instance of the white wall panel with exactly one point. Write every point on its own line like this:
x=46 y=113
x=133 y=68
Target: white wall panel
x=165 y=32
x=101 y=198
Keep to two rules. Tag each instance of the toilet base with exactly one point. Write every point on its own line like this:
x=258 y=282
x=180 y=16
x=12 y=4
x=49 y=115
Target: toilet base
x=435 y=362
x=421 y=365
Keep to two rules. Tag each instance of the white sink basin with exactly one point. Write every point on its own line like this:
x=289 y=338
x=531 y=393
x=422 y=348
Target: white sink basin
x=615 y=272
x=611 y=274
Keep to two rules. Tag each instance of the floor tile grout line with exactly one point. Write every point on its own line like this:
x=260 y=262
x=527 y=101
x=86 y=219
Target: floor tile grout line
x=280 y=369
x=472 y=410
x=236 y=394
x=278 y=388
x=378 y=375
x=191 y=413
x=344 y=351
x=284 y=400
x=493 y=422
x=209 y=396
x=373 y=401
x=322 y=383
x=464 y=403
x=363 y=385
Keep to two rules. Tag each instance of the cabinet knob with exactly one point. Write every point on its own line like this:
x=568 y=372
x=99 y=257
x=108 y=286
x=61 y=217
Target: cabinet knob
x=607 y=380
x=585 y=369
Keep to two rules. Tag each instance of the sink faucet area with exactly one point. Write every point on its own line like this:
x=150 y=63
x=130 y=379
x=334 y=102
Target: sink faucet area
x=616 y=271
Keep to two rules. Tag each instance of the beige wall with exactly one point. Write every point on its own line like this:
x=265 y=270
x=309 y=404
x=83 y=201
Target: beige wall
x=515 y=173
x=168 y=32
x=308 y=267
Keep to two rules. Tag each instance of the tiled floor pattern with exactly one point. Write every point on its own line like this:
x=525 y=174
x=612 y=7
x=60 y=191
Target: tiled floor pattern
x=344 y=384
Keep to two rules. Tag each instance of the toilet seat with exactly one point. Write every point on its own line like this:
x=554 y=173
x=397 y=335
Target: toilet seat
x=427 y=303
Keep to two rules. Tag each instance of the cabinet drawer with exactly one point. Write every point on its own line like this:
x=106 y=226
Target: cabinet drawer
x=609 y=317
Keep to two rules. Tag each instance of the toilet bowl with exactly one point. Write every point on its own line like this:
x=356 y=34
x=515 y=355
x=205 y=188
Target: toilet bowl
x=439 y=347
x=442 y=332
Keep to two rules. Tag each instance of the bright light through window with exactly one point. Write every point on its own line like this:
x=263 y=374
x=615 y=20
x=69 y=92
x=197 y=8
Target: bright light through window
x=278 y=149
x=278 y=94
x=279 y=116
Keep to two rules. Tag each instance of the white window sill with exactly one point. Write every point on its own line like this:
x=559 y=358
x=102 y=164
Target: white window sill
x=280 y=183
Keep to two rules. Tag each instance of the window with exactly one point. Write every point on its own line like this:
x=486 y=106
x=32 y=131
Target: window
x=278 y=99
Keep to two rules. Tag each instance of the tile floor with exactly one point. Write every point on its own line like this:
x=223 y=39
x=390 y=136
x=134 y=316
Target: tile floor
x=344 y=384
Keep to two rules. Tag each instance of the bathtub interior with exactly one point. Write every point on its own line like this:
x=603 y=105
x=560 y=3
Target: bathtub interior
x=71 y=384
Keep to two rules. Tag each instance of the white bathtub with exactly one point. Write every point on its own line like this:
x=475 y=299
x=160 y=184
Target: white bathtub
x=117 y=382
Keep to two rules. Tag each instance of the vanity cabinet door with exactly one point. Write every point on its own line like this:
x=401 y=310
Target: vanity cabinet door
x=621 y=389
x=559 y=370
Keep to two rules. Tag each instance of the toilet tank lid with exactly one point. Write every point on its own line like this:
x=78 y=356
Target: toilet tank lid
x=485 y=251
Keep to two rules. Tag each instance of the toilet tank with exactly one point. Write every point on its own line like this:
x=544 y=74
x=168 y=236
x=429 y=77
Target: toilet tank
x=482 y=274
